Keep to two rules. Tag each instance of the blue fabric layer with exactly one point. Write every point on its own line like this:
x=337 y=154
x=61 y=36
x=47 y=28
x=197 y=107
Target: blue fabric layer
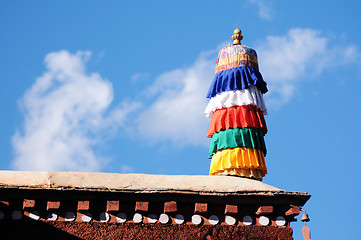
x=236 y=79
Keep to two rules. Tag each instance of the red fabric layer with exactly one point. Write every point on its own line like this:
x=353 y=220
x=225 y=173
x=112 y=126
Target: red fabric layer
x=237 y=117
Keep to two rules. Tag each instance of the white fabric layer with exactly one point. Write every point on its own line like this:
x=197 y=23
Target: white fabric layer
x=249 y=96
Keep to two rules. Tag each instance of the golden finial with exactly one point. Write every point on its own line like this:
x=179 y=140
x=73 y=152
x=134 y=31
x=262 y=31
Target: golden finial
x=237 y=36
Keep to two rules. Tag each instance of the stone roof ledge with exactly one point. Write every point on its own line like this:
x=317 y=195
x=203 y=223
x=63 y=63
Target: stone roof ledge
x=144 y=183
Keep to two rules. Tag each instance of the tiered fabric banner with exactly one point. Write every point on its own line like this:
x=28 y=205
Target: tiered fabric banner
x=237 y=117
x=237 y=137
x=237 y=110
x=249 y=96
x=236 y=79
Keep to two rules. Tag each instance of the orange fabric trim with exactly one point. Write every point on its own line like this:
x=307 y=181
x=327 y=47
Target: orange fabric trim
x=237 y=117
x=239 y=161
x=236 y=64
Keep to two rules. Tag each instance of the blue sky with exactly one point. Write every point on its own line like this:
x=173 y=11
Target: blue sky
x=119 y=86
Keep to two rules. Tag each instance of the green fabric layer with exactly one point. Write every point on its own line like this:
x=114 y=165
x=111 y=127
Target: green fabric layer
x=237 y=137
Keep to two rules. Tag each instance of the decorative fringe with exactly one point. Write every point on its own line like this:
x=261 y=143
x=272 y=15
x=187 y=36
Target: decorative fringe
x=238 y=159
x=249 y=96
x=237 y=138
x=236 y=79
x=237 y=117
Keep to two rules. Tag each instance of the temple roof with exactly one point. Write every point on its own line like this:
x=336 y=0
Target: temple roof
x=140 y=183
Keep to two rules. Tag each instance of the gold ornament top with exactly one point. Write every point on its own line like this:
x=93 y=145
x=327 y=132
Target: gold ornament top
x=237 y=36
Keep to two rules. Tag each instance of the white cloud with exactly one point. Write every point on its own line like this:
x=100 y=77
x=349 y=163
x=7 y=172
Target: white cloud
x=351 y=55
x=265 y=11
x=300 y=54
x=177 y=112
x=139 y=76
x=126 y=169
x=66 y=113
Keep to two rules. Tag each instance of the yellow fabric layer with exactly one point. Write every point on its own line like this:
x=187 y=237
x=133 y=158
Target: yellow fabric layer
x=245 y=162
